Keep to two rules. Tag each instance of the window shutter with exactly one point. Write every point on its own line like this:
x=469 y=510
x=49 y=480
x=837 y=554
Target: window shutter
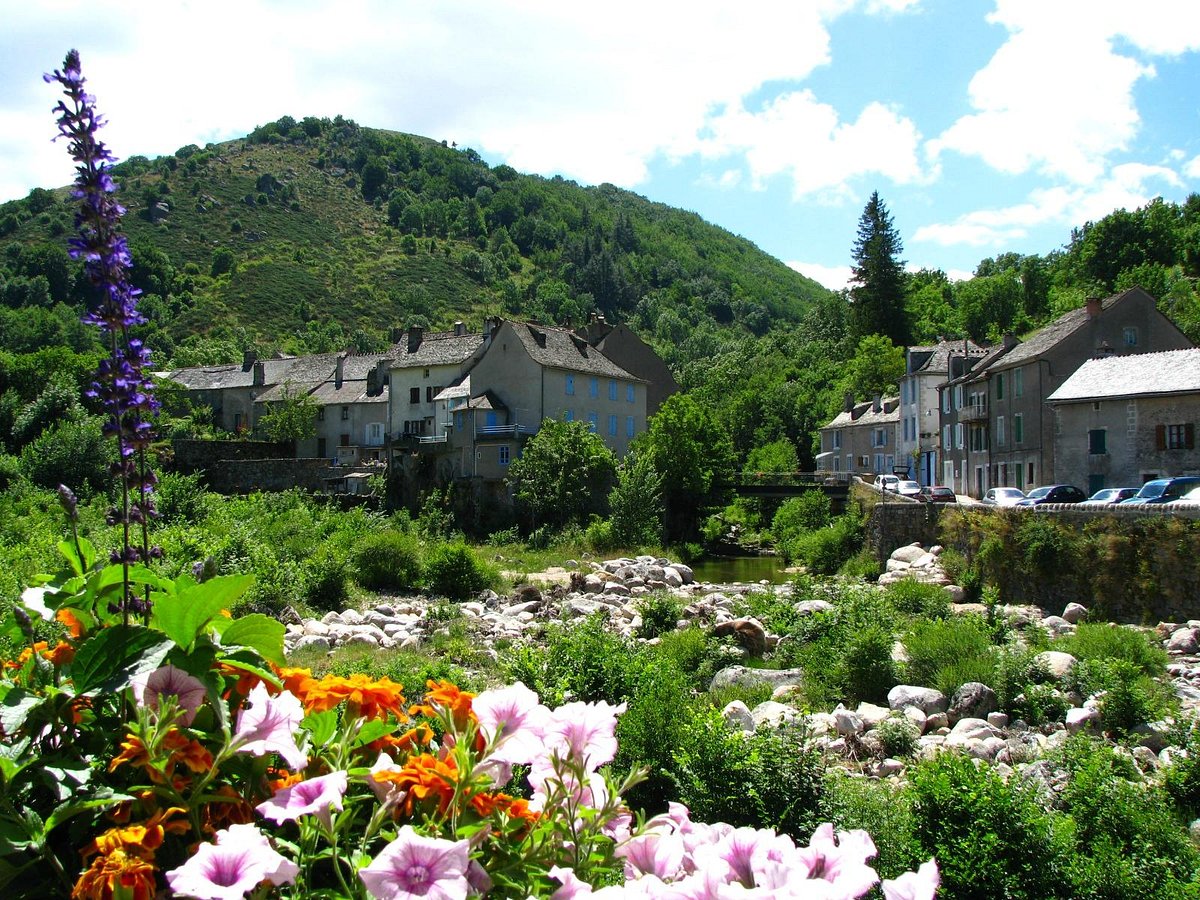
x=1160 y=437
x=1189 y=436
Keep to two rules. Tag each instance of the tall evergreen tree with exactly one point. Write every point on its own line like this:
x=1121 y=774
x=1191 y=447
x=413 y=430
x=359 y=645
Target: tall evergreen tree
x=877 y=286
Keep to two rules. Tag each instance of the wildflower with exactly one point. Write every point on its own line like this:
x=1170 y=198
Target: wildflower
x=116 y=874
x=841 y=859
x=240 y=860
x=919 y=885
x=585 y=732
x=268 y=724
x=449 y=697
x=423 y=777
x=512 y=722
x=170 y=681
x=571 y=884
x=652 y=853
x=413 y=866
x=316 y=796
x=364 y=696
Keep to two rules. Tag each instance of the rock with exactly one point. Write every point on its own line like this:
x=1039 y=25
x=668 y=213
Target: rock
x=1155 y=735
x=1055 y=662
x=1080 y=718
x=889 y=767
x=847 y=722
x=1075 y=613
x=918 y=718
x=909 y=554
x=1146 y=758
x=871 y=714
x=313 y=642
x=957 y=594
x=997 y=719
x=351 y=617
x=934 y=721
x=1057 y=625
x=615 y=588
x=1182 y=640
x=743 y=676
x=928 y=700
x=973 y=700
x=770 y=714
x=685 y=572
x=525 y=593
x=749 y=634
x=737 y=716
x=968 y=730
x=812 y=607
x=1194 y=831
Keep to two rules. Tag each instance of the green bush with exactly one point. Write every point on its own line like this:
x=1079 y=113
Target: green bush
x=1129 y=700
x=870 y=671
x=882 y=810
x=660 y=612
x=599 y=535
x=826 y=550
x=861 y=566
x=991 y=838
x=1182 y=778
x=694 y=652
x=954 y=564
x=919 y=599
x=387 y=560
x=1039 y=704
x=1105 y=641
x=453 y=571
x=650 y=730
x=948 y=653
x=10 y=471
x=326 y=574
x=769 y=779
x=72 y=453
x=898 y=735
x=807 y=512
x=179 y=498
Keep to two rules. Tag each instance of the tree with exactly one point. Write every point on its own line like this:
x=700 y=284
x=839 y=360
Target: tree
x=636 y=503
x=877 y=291
x=694 y=455
x=563 y=475
x=877 y=367
x=292 y=418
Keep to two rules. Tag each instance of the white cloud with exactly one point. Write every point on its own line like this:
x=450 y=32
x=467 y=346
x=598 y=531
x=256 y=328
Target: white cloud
x=800 y=137
x=1192 y=169
x=1058 y=94
x=875 y=7
x=833 y=277
x=1127 y=186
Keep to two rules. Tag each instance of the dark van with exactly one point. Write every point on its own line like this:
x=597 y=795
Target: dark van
x=1163 y=490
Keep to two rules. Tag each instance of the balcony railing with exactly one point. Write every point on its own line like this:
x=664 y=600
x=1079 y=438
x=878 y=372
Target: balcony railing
x=433 y=438
x=973 y=413
x=496 y=431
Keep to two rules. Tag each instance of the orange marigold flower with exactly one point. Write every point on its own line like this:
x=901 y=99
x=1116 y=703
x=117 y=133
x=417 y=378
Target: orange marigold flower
x=420 y=736
x=229 y=808
x=116 y=874
x=194 y=755
x=61 y=654
x=519 y=809
x=449 y=697
x=246 y=681
x=133 y=751
x=364 y=696
x=71 y=621
x=294 y=680
x=283 y=778
x=141 y=840
x=423 y=777
x=27 y=655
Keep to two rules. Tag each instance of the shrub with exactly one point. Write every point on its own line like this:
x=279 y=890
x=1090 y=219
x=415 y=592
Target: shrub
x=70 y=453
x=1182 y=778
x=10 y=471
x=825 y=550
x=991 y=838
x=387 y=560
x=660 y=614
x=861 y=566
x=919 y=599
x=326 y=574
x=898 y=735
x=1128 y=702
x=869 y=670
x=650 y=730
x=599 y=535
x=948 y=653
x=769 y=779
x=808 y=512
x=179 y=498
x=954 y=564
x=883 y=810
x=453 y=571
x=1103 y=641
x=1038 y=704
x=694 y=652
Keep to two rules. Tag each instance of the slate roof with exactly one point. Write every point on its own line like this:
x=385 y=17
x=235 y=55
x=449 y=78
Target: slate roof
x=935 y=359
x=1046 y=337
x=863 y=414
x=437 y=348
x=990 y=357
x=561 y=348
x=328 y=394
x=1137 y=375
x=207 y=378
x=486 y=400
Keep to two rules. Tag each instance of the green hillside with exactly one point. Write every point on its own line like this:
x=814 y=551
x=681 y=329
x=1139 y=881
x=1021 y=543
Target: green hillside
x=319 y=234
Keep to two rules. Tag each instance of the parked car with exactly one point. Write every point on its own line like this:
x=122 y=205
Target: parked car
x=1003 y=496
x=1053 y=493
x=936 y=493
x=1164 y=490
x=1192 y=496
x=1108 y=496
x=886 y=482
x=908 y=489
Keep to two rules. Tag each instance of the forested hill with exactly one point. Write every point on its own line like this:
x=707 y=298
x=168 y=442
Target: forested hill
x=321 y=234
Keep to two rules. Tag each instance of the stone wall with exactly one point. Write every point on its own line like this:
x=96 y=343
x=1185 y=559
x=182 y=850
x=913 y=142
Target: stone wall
x=898 y=522
x=200 y=456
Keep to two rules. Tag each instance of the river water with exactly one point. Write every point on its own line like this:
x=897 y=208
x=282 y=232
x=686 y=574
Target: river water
x=747 y=569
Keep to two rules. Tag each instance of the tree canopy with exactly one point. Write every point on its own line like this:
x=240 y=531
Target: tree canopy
x=563 y=475
x=878 y=280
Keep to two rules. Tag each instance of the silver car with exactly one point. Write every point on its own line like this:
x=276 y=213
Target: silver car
x=1003 y=496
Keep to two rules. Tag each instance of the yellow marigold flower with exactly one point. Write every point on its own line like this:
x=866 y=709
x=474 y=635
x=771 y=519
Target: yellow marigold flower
x=71 y=621
x=116 y=874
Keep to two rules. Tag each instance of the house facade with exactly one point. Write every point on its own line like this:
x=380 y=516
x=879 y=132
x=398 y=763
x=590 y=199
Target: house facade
x=1120 y=421
x=622 y=346
x=861 y=439
x=420 y=366
x=918 y=441
x=230 y=391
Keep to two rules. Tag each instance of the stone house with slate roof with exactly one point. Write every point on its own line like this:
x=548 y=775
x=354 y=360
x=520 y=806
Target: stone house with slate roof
x=230 y=390
x=1008 y=438
x=622 y=346
x=420 y=365
x=918 y=441
x=1120 y=421
x=861 y=439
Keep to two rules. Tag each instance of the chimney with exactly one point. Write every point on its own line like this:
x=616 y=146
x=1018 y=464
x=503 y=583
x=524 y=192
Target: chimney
x=1009 y=340
x=340 y=372
x=1093 y=307
x=260 y=374
x=459 y=329
x=249 y=357
x=848 y=402
x=876 y=404
x=373 y=381
x=1105 y=349
x=396 y=334
x=414 y=337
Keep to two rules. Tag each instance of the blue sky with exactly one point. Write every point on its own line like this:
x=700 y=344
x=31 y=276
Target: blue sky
x=986 y=125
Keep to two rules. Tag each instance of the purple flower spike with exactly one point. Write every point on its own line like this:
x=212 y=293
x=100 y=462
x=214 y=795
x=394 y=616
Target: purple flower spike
x=123 y=389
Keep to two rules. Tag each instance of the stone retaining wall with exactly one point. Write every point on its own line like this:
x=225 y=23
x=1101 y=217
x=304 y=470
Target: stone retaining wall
x=200 y=456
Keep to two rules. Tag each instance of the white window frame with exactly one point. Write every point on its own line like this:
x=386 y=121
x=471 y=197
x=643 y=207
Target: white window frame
x=958 y=436
x=1001 y=437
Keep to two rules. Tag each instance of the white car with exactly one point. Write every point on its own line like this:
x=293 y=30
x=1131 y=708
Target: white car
x=908 y=489
x=1003 y=496
x=886 y=483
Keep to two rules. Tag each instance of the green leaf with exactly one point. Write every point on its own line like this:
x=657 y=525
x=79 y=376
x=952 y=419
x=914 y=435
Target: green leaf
x=322 y=726
x=372 y=731
x=80 y=561
x=183 y=615
x=63 y=813
x=258 y=632
x=15 y=707
x=110 y=659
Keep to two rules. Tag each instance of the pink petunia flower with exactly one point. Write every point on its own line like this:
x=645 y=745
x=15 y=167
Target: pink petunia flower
x=512 y=721
x=413 y=866
x=316 y=796
x=571 y=884
x=919 y=885
x=268 y=724
x=841 y=860
x=240 y=860
x=586 y=732
x=653 y=853
x=384 y=791
x=167 y=681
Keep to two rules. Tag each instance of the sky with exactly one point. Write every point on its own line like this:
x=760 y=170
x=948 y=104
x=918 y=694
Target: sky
x=986 y=126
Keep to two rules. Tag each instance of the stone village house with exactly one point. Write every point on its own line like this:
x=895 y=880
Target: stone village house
x=862 y=438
